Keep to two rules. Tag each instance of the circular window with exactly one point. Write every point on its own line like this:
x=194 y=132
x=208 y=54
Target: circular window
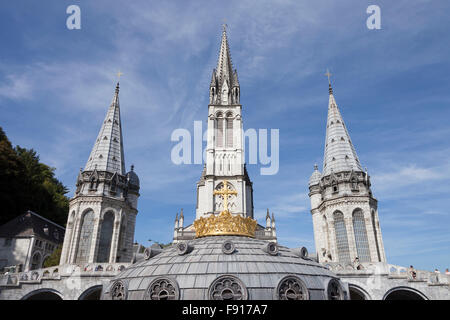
x=118 y=291
x=291 y=288
x=334 y=290
x=228 y=247
x=183 y=248
x=162 y=289
x=271 y=248
x=147 y=253
x=227 y=287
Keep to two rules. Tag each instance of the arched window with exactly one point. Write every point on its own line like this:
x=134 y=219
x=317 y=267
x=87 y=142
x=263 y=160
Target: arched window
x=84 y=243
x=219 y=131
x=104 y=246
x=359 y=229
x=376 y=235
x=354 y=184
x=343 y=250
x=229 y=131
x=334 y=186
x=36 y=261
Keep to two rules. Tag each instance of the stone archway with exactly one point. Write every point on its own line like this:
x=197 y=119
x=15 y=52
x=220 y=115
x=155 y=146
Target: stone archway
x=357 y=293
x=43 y=294
x=404 y=293
x=93 y=293
x=36 y=261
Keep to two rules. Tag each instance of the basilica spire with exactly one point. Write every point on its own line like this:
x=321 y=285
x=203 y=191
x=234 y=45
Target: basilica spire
x=224 y=65
x=340 y=154
x=107 y=153
x=224 y=82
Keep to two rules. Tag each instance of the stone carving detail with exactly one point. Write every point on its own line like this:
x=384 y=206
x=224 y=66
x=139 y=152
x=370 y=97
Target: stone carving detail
x=118 y=291
x=162 y=289
x=227 y=287
x=334 y=290
x=291 y=288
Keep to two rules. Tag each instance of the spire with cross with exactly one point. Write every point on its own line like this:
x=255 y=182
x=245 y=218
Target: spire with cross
x=328 y=74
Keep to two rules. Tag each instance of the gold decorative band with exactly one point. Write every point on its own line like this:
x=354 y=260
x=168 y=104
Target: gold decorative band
x=225 y=224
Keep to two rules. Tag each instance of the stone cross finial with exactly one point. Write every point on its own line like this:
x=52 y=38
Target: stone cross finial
x=328 y=74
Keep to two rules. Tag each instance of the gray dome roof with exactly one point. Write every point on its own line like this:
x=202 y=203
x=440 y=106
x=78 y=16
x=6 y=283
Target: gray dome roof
x=132 y=177
x=208 y=263
x=315 y=177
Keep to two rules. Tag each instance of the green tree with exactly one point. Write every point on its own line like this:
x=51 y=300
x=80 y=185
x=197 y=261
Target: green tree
x=53 y=259
x=12 y=179
x=28 y=184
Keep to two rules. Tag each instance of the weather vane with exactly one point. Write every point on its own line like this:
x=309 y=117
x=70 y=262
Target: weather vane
x=119 y=74
x=224 y=25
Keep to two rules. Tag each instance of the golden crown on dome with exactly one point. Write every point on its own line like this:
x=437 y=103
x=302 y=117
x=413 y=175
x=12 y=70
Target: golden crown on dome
x=225 y=224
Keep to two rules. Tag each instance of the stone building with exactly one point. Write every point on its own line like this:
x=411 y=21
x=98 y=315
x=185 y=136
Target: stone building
x=224 y=254
x=347 y=230
x=344 y=211
x=102 y=214
x=27 y=241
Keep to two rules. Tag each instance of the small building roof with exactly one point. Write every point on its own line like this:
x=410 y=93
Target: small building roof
x=31 y=224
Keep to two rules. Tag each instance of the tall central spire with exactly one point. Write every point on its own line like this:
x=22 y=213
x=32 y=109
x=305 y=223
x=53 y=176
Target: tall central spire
x=107 y=153
x=340 y=154
x=224 y=87
x=224 y=69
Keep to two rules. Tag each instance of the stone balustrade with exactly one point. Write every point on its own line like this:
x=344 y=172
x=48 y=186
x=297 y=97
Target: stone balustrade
x=58 y=272
x=392 y=271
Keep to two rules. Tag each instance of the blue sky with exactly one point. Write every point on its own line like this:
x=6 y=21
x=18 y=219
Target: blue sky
x=392 y=87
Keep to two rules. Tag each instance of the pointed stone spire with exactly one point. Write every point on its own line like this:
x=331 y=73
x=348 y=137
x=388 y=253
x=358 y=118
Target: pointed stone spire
x=181 y=221
x=340 y=154
x=273 y=221
x=224 y=70
x=107 y=153
x=176 y=222
x=213 y=79
x=268 y=222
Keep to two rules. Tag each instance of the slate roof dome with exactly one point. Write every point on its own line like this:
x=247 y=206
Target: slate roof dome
x=133 y=178
x=225 y=268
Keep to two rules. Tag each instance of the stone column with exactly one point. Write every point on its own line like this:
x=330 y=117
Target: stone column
x=380 y=238
x=75 y=239
x=333 y=249
x=350 y=235
x=115 y=238
x=95 y=238
x=370 y=235
x=67 y=240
